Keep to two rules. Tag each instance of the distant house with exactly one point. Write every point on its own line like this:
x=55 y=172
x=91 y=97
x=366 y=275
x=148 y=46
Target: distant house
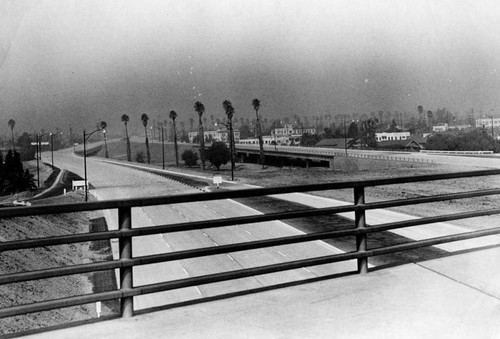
x=390 y=136
x=219 y=135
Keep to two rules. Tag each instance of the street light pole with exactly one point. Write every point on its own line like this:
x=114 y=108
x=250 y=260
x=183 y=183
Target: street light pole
x=85 y=137
x=105 y=144
x=37 y=163
x=52 y=148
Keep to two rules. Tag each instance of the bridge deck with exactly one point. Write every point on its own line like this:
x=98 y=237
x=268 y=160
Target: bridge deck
x=409 y=301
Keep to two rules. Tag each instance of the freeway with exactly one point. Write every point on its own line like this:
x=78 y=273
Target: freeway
x=118 y=182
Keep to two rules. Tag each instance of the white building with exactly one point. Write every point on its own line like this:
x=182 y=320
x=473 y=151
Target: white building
x=289 y=130
x=219 y=135
x=386 y=136
x=487 y=122
x=284 y=140
x=440 y=128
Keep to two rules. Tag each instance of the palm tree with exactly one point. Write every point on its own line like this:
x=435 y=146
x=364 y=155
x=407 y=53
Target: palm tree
x=228 y=107
x=200 y=109
x=125 y=120
x=11 y=124
x=256 y=106
x=144 y=119
x=173 y=115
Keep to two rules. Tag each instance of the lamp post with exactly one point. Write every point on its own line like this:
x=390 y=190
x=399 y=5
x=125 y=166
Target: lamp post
x=106 y=155
x=85 y=138
x=52 y=148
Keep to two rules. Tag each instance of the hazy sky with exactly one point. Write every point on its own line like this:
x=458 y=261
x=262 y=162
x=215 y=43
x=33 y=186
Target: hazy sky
x=76 y=62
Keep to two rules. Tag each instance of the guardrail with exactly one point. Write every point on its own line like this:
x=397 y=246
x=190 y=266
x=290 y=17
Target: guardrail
x=126 y=232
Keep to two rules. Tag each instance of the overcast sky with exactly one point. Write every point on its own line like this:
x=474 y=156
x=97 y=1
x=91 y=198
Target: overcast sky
x=77 y=62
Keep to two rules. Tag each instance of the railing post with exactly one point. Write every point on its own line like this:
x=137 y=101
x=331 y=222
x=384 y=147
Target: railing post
x=126 y=278
x=360 y=221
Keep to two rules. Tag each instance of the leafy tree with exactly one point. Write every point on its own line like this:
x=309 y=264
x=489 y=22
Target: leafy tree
x=11 y=124
x=173 y=116
x=200 y=109
x=27 y=150
x=125 y=120
x=218 y=154
x=14 y=178
x=309 y=139
x=368 y=129
x=352 y=131
x=474 y=140
x=145 y=119
x=245 y=132
x=256 y=106
x=393 y=127
x=189 y=157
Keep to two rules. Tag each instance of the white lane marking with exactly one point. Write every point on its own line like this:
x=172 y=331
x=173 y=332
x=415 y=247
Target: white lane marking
x=283 y=254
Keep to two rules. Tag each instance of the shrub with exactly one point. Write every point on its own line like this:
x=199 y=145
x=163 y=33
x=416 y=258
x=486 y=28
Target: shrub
x=218 y=154
x=139 y=157
x=189 y=157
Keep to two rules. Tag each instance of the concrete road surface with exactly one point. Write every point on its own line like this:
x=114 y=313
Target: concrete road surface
x=117 y=182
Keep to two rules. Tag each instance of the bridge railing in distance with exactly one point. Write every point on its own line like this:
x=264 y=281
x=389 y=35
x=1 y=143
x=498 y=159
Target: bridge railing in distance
x=126 y=232
x=333 y=152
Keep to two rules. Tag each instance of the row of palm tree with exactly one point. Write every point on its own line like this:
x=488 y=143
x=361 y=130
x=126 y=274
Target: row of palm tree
x=200 y=110
x=145 y=119
x=229 y=110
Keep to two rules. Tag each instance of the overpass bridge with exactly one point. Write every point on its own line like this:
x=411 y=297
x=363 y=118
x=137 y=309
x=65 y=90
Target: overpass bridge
x=327 y=156
x=418 y=299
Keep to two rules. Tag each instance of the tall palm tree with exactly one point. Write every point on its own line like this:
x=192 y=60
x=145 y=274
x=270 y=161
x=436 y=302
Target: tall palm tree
x=200 y=109
x=145 y=119
x=11 y=124
x=256 y=106
x=228 y=107
x=173 y=115
x=125 y=120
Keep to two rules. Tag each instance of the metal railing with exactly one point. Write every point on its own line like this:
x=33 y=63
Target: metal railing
x=126 y=232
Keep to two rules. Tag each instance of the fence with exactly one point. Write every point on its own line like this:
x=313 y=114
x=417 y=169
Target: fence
x=126 y=232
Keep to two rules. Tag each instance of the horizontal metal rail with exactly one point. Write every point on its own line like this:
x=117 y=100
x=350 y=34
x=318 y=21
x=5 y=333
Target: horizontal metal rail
x=127 y=232
x=205 y=224
x=206 y=251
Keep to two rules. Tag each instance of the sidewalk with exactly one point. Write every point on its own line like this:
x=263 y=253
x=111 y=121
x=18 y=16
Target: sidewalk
x=409 y=301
